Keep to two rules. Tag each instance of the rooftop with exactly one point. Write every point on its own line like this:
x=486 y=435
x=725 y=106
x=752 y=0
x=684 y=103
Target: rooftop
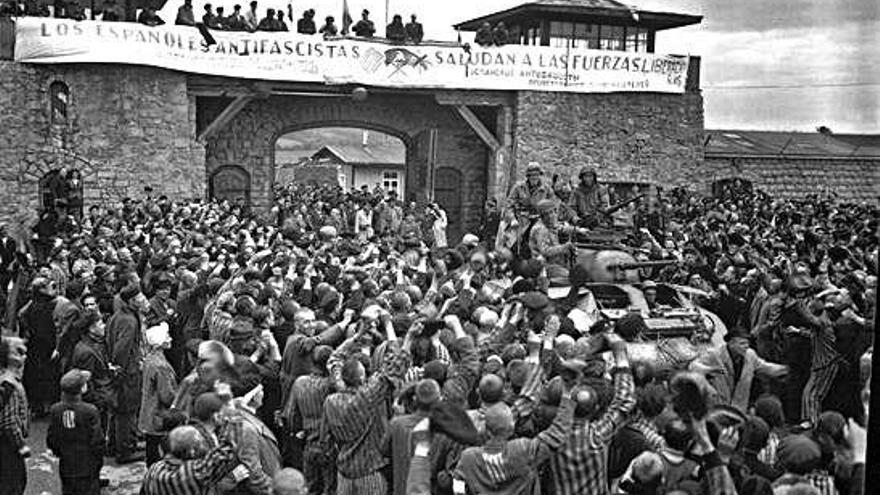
x=602 y=11
x=816 y=144
x=356 y=154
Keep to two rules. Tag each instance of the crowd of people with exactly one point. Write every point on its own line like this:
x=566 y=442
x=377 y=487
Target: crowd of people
x=217 y=19
x=339 y=344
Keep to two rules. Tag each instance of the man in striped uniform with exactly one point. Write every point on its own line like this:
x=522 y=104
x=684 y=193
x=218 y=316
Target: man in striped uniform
x=303 y=414
x=826 y=361
x=509 y=466
x=14 y=415
x=355 y=418
x=580 y=464
x=189 y=469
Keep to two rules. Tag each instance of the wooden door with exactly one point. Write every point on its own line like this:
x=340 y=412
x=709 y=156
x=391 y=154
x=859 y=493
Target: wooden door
x=231 y=183
x=420 y=158
x=448 y=194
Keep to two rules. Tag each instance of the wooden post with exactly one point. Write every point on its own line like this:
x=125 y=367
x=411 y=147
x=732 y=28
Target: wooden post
x=225 y=117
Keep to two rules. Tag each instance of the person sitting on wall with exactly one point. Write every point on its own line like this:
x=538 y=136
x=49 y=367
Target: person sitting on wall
x=222 y=20
x=280 y=25
x=185 y=16
x=364 y=27
x=11 y=8
x=414 y=31
x=268 y=23
x=329 y=28
x=236 y=21
x=251 y=17
x=210 y=19
x=500 y=34
x=33 y=8
x=109 y=11
x=396 y=31
x=306 y=25
x=484 y=35
x=148 y=17
x=73 y=10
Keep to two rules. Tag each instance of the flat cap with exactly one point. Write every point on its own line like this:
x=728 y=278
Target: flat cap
x=73 y=381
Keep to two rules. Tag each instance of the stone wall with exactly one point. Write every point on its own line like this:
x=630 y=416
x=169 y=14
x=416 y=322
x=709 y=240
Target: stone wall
x=851 y=179
x=631 y=137
x=127 y=127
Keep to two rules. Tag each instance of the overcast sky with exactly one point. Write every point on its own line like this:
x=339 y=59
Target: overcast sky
x=767 y=64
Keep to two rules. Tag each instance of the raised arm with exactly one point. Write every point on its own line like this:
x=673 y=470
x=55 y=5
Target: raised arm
x=548 y=441
x=465 y=371
x=624 y=393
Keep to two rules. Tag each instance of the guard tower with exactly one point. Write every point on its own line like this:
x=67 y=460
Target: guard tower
x=589 y=24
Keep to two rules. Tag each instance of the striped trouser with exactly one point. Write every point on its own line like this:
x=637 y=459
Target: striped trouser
x=816 y=390
x=371 y=484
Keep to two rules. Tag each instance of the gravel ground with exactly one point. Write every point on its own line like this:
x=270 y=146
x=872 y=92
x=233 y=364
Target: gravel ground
x=43 y=469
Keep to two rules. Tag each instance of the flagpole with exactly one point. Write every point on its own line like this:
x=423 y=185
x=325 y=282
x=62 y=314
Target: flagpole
x=386 y=11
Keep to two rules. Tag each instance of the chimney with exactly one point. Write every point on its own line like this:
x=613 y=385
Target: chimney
x=366 y=135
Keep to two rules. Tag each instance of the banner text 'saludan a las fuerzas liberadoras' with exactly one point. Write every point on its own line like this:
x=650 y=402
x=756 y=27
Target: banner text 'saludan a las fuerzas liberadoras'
x=294 y=57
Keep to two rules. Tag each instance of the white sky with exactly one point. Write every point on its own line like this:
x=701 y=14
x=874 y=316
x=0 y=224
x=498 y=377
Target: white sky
x=810 y=59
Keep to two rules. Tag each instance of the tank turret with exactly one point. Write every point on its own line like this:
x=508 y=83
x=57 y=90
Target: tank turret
x=612 y=265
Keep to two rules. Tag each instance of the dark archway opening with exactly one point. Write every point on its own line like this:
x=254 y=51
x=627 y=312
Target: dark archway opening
x=355 y=158
x=231 y=183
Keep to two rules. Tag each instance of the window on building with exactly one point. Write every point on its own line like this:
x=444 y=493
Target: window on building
x=59 y=99
x=586 y=36
x=533 y=36
x=636 y=39
x=390 y=180
x=561 y=34
x=611 y=38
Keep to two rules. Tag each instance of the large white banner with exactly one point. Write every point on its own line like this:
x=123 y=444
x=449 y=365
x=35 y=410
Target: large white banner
x=294 y=57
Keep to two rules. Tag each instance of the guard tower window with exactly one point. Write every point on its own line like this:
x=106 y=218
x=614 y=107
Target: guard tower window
x=611 y=38
x=636 y=39
x=59 y=98
x=577 y=35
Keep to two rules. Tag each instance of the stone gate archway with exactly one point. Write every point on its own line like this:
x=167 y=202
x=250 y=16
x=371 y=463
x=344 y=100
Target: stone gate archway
x=434 y=135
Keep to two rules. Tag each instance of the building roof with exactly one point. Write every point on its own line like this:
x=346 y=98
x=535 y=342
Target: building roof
x=776 y=143
x=356 y=154
x=599 y=11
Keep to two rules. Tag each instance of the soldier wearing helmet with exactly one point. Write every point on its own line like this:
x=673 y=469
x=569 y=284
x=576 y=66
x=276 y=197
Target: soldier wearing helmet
x=525 y=196
x=586 y=199
x=544 y=237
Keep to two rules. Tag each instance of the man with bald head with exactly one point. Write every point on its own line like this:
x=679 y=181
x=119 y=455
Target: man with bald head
x=303 y=413
x=491 y=392
x=190 y=468
x=502 y=465
x=491 y=386
x=581 y=464
x=289 y=481
x=355 y=418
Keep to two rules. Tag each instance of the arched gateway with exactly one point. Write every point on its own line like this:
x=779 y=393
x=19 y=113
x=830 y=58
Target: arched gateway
x=435 y=135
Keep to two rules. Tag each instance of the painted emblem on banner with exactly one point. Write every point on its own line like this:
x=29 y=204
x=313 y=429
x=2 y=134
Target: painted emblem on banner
x=400 y=60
